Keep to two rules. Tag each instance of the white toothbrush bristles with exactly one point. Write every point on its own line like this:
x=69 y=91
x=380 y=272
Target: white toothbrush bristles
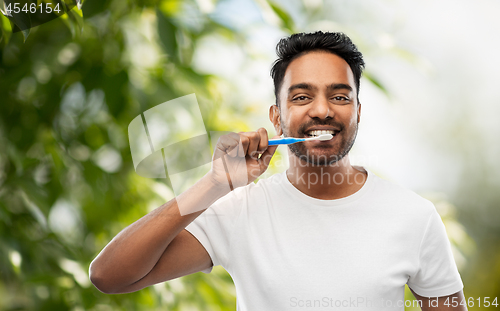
x=321 y=137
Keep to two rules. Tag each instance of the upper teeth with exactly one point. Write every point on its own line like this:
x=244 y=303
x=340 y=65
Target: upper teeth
x=321 y=132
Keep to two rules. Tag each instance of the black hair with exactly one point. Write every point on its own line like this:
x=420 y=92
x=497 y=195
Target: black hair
x=298 y=44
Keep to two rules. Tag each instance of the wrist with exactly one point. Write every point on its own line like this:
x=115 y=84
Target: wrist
x=219 y=189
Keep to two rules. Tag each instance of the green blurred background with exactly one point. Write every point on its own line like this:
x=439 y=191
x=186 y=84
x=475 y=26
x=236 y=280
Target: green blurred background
x=70 y=87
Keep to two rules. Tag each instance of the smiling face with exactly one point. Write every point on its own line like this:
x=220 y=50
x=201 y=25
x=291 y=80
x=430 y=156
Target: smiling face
x=318 y=95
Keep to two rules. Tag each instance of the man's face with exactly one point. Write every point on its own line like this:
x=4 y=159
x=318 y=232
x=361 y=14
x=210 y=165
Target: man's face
x=319 y=94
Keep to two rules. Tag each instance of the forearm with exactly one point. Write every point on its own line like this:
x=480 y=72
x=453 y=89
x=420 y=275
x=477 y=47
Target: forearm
x=134 y=252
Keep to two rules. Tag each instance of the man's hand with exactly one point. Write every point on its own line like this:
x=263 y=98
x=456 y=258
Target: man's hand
x=236 y=158
x=455 y=302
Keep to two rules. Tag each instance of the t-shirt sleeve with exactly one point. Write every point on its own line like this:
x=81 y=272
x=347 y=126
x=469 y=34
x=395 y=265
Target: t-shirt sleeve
x=437 y=274
x=214 y=228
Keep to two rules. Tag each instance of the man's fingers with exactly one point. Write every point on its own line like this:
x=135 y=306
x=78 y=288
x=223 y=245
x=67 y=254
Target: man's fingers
x=258 y=143
x=228 y=144
x=253 y=144
x=235 y=165
x=246 y=143
x=266 y=157
x=263 y=142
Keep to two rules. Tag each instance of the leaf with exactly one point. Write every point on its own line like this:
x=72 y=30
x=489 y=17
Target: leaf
x=23 y=23
x=92 y=8
x=77 y=16
x=3 y=8
x=66 y=20
x=283 y=15
x=375 y=81
x=64 y=6
x=166 y=32
x=6 y=28
x=73 y=19
x=170 y=8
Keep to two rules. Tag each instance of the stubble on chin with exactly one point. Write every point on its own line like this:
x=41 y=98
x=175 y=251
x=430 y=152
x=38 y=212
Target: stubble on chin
x=303 y=155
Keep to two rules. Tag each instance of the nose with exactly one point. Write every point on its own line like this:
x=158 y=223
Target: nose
x=321 y=108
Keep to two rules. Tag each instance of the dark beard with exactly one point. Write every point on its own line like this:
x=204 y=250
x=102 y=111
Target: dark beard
x=301 y=152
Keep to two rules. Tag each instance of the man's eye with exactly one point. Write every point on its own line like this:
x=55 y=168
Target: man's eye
x=340 y=98
x=300 y=98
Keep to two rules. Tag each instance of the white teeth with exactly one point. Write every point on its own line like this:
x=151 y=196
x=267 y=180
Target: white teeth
x=321 y=132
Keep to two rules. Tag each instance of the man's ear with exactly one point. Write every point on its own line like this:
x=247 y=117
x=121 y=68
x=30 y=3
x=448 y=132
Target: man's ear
x=359 y=111
x=274 y=116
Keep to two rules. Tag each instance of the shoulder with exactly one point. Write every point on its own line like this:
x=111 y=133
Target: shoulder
x=401 y=199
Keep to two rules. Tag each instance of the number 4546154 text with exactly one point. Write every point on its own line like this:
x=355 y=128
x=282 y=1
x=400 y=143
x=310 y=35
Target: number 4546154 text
x=32 y=8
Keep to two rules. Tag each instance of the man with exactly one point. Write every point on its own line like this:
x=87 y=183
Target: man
x=323 y=234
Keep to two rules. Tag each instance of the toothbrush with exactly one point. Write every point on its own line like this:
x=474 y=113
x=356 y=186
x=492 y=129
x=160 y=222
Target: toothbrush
x=291 y=140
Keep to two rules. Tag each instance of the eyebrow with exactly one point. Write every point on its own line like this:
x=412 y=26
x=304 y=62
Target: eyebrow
x=331 y=87
x=339 y=86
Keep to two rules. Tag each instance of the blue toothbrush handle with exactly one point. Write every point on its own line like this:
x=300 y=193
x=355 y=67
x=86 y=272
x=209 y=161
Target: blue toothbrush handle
x=284 y=141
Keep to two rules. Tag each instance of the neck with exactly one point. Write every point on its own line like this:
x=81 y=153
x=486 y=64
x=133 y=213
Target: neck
x=326 y=182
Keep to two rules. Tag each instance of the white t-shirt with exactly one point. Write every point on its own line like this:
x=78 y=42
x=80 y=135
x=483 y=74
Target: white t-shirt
x=288 y=251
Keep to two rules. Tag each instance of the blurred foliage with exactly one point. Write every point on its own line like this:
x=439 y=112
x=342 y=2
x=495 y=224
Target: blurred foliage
x=69 y=92
x=69 y=89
